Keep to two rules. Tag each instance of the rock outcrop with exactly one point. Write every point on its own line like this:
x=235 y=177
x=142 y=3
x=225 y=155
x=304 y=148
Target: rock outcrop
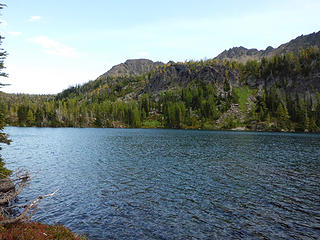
x=177 y=74
x=243 y=54
x=132 y=67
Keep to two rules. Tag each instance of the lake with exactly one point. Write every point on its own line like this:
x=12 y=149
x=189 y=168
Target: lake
x=172 y=184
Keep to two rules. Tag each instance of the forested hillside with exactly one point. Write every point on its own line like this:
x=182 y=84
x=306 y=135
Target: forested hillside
x=277 y=93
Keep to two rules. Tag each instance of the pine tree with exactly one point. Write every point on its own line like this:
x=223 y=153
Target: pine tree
x=282 y=116
x=30 y=118
x=3 y=136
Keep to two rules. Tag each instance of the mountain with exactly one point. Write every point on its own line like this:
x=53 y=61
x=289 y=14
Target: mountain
x=243 y=54
x=173 y=75
x=132 y=67
x=278 y=93
x=135 y=67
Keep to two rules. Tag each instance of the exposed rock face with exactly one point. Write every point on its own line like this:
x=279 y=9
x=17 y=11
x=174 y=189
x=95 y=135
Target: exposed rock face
x=295 y=45
x=175 y=74
x=133 y=67
x=162 y=77
x=243 y=54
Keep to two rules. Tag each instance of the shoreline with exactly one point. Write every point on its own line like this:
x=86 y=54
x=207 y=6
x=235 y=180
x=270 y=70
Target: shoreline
x=236 y=129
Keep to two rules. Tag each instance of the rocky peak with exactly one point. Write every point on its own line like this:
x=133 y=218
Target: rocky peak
x=243 y=54
x=133 y=67
x=302 y=41
x=239 y=53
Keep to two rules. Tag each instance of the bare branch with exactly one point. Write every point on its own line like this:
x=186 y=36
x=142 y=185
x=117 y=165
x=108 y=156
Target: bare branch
x=24 y=215
x=22 y=178
x=11 y=196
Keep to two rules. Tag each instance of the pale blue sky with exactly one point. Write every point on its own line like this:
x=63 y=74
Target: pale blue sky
x=56 y=44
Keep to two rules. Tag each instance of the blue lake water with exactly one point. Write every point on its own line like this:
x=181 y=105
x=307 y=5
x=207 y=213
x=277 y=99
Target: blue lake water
x=172 y=184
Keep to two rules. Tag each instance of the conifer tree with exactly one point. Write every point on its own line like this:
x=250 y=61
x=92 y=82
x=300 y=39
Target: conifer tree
x=3 y=136
x=283 y=116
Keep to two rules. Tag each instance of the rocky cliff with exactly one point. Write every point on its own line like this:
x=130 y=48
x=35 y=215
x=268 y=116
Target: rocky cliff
x=173 y=75
x=243 y=54
x=132 y=67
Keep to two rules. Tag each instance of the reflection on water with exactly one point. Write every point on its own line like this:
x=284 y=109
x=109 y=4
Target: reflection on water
x=173 y=184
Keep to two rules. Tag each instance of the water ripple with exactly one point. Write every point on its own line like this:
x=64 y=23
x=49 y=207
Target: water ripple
x=173 y=184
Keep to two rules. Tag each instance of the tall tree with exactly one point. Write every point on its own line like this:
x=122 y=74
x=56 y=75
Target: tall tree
x=3 y=54
x=3 y=136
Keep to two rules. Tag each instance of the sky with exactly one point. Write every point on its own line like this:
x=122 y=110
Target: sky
x=53 y=45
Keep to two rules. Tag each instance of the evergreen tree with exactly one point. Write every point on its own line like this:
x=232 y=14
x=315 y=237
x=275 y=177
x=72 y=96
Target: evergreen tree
x=3 y=136
x=282 y=117
x=30 y=118
x=194 y=102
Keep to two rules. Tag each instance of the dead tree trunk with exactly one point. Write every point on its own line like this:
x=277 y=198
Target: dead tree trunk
x=9 y=191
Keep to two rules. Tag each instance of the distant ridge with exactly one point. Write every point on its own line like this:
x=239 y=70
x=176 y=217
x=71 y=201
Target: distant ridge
x=132 y=67
x=243 y=54
x=281 y=93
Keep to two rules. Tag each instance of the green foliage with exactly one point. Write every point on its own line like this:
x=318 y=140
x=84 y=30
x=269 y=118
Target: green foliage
x=128 y=101
x=229 y=122
x=3 y=54
x=3 y=137
x=208 y=125
x=151 y=124
x=4 y=171
x=282 y=117
x=241 y=95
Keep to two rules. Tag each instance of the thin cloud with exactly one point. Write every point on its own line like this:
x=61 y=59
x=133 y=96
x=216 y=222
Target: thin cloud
x=15 y=33
x=34 y=18
x=53 y=47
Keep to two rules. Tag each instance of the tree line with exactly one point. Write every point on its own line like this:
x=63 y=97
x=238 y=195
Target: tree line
x=275 y=103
